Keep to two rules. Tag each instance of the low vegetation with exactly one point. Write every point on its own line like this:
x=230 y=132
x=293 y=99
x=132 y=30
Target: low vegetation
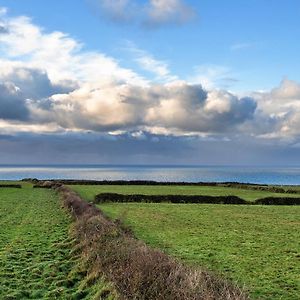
x=256 y=246
x=37 y=257
x=137 y=271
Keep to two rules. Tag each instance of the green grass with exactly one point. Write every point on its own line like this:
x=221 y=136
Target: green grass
x=256 y=246
x=36 y=261
x=88 y=192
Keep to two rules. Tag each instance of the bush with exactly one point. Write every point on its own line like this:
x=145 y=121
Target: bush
x=185 y=199
x=32 y=180
x=278 y=201
x=47 y=184
x=137 y=271
x=14 y=186
x=112 y=197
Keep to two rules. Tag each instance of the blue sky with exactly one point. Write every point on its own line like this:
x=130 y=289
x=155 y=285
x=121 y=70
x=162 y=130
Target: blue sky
x=173 y=81
x=256 y=41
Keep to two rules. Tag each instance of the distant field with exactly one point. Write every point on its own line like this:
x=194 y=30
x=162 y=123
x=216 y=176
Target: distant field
x=35 y=259
x=90 y=191
x=258 y=246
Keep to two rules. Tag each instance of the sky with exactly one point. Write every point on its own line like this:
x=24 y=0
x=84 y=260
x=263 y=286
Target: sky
x=150 y=82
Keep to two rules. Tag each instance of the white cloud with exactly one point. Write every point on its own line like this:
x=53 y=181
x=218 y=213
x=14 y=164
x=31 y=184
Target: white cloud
x=279 y=111
x=159 y=68
x=213 y=76
x=54 y=83
x=177 y=107
x=12 y=102
x=189 y=108
x=61 y=56
x=154 y=13
x=168 y=11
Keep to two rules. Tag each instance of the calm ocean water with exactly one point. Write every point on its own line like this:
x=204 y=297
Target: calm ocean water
x=267 y=175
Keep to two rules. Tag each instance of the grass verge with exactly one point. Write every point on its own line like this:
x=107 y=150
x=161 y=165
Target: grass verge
x=254 y=245
x=37 y=258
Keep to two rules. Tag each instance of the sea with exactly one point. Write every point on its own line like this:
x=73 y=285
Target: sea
x=245 y=174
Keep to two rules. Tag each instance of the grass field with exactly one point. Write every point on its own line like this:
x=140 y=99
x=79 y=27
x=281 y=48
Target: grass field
x=90 y=191
x=254 y=245
x=35 y=250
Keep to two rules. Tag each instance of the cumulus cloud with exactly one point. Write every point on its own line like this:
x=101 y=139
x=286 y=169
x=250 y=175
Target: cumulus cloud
x=191 y=109
x=54 y=85
x=178 y=106
x=62 y=57
x=12 y=103
x=153 y=13
x=106 y=108
x=60 y=84
x=3 y=29
x=34 y=83
x=281 y=107
x=288 y=89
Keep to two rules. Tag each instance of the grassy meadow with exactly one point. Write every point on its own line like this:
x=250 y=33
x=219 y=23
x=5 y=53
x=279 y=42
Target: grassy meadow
x=36 y=260
x=88 y=192
x=256 y=246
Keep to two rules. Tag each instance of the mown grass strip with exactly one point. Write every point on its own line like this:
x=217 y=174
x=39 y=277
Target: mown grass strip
x=37 y=257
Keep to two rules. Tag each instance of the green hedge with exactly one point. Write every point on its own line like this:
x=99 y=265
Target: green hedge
x=278 y=201
x=15 y=186
x=112 y=197
x=197 y=199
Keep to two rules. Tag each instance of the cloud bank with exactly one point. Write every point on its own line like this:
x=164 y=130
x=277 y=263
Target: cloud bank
x=49 y=84
x=60 y=83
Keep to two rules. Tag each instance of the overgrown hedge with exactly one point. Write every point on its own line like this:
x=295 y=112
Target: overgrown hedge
x=112 y=197
x=47 y=185
x=137 y=271
x=278 y=201
x=198 y=199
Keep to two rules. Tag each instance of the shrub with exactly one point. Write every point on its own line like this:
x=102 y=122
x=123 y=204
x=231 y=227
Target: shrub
x=137 y=271
x=14 y=186
x=278 y=201
x=113 y=197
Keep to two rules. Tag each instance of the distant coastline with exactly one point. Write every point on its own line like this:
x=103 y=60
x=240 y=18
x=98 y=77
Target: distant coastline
x=164 y=173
